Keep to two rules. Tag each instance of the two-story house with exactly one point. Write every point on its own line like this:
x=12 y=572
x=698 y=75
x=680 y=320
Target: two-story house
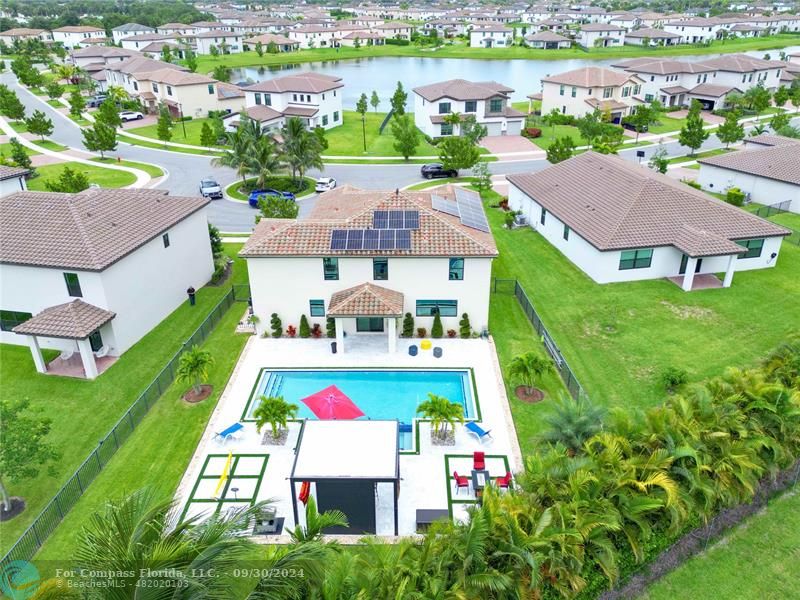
x=594 y=35
x=366 y=258
x=487 y=101
x=280 y=42
x=226 y=42
x=73 y=35
x=129 y=30
x=91 y=273
x=694 y=31
x=668 y=81
x=646 y=36
x=9 y=36
x=314 y=98
x=491 y=36
x=584 y=90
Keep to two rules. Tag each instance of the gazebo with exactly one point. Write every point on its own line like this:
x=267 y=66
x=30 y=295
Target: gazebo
x=76 y=320
x=352 y=466
x=367 y=301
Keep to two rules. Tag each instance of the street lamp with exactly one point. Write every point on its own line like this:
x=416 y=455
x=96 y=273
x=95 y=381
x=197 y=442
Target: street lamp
x=183 y=123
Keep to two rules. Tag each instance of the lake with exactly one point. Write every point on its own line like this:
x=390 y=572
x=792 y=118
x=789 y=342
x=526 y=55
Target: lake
x=381 y=73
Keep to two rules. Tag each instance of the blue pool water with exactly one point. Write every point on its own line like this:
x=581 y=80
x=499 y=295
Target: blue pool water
x=380 y=394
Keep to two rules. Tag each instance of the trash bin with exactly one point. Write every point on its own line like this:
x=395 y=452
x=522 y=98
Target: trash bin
x=333 y=347
x=437 y=352
x=412 y=350
x=191 y=292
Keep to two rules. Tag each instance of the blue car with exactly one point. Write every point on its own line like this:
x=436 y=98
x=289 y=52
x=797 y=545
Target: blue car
x=255 y=195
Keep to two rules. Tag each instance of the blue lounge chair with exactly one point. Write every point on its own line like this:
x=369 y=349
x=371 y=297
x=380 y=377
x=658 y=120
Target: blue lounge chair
x=226 y=434
x=476 y=429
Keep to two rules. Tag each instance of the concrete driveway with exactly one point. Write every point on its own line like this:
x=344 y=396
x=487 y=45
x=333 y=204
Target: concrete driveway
x=500 y=144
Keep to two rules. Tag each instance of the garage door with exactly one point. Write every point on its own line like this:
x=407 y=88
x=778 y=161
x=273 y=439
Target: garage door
x=493 y=129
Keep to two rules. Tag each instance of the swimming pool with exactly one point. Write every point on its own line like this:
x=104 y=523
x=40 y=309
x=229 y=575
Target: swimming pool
x=379 y=393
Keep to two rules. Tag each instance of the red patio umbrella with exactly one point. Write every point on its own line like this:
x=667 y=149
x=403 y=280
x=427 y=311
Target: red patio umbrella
x=331 y=403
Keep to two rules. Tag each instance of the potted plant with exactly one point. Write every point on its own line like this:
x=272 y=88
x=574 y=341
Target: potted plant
x=291 y=331
x=443 y=415
x=316 y=331
x=422 y=332
x=274 y=411
x=527 y=369
x=193 y=366
x=451 y=333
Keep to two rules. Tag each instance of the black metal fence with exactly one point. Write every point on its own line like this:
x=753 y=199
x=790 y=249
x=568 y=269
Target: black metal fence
x=563 y=368
x=52 y=514
x=774 y=209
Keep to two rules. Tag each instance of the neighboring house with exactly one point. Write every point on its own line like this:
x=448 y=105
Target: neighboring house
x=491 y=36
x=583 y=90
x=226 y=42
x=93 y=272
x=743 y=72
x=282 y=43
x=72 y=35
x=619 y=221
x=313 y=36
x=652 y=37
x=101 y=55
x=694 y=31
x=626 y=21
x=599 y=35
x=547 y=40
x=177 y=29
x=487 y=101
x=12 y=179
x=145 y=40
x=671 y=82
x=313 y=97
x=10 y=36
x=769 y=172
x=361 y=38
x=394 y=29
x=366 y=258
x=445 y=27
x=129 y=30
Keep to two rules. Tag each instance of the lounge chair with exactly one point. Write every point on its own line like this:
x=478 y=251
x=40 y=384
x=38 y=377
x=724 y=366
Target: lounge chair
x=461 y=481
x=478 y=461
x=66 y=354
x=230 y=432
x=504 y=481
x=103 y=351
x=476 y=429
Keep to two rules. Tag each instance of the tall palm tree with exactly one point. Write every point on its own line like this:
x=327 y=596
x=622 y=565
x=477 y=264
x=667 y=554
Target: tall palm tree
x=274 y=411
x=263 y=160
x=527 y=368
x=193 y=366
x=442 y=413
x=453 y=119
x=302 y=149
x=238 y=154
x=316 y=523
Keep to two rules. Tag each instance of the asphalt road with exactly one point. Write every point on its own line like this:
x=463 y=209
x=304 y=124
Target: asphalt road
x=185 y=170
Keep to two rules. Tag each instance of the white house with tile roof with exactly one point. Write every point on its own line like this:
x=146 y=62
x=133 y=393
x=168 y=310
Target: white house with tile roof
x=129 y=30
x=226 y=42
x=619 y=221
x=94 y=272
x=599 y=35
x=9 y=36
x=491 y=36
x=366 y=258
x=73 y=35
x=581 y=91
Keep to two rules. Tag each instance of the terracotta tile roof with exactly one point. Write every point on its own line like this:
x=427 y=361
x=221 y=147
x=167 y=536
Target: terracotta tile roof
x=300 y=111
x=461 y=89
x=653 y=34
x=301 y=82
x=104 y=51
x=267 y=38
x=439 y=233
x=142 y=64
x=176 y=77
x=604 y=105
x=366 y=299
x=87 y=231
x=590 y=77
x=675 y=89
x=21 y=31
x=713 y=91
x=262 y=113
x=781 y=162
x=74 y=320
x=592 y=27
x=77 y=29
x=664 y=66
x=768 y=139
x=7 y=172
x=741 y=63
x=546 y=36
x=615 y=205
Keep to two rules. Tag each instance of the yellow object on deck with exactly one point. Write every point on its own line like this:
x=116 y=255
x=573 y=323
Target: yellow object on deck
x=224 y=477
x=425 y=344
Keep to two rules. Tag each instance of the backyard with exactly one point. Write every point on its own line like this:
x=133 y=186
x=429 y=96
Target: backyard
x=193 y=127
x=347 y=139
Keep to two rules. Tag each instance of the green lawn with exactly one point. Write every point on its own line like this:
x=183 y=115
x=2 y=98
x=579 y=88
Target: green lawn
x=5 y=150
x=19 y=126
x=758 y=559
x=348 y=140
x=282 y=183
x=551 y=133
x=706 y=154
x=160 y=146
x=159 y=450
x=193 y=130
x=443 y=181
x=50 y=145
x=92 y=407
x=618 y=338
x=151 y=170
x=667 y=124
x=107 y=178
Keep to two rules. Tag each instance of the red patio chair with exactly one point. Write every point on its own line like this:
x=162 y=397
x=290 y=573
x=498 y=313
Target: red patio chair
x=461 y=481
x=478 y=461
x=504 y=481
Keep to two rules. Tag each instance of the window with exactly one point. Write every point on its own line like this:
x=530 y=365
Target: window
x=210 y=88
x=648 y=97
x=445 y=308
x=294 y=97
x=169 y=90
x=165 y=239
x=626 y=91
x=561 y=90
x=637 y=89
x=496 y=105
x=324 y=120
x=95 y=341
x=444 y=108
x=653 y=78
x=335 y=116
x=380 y=269
x=268 y=99
x=446 y=129
x=635 y=259
x=136 y=86
x=574 y=91
x=316 y=308
x=471 y=106
x=566 y=232
x=754 y=248
x=330 y=268
x=73 y=285
x=155 y=87
x=11 y=318
x=456 y=269
x=369 y=324
x=258 y=98
x=543 y=216
x=323 y=96
x=608 y=92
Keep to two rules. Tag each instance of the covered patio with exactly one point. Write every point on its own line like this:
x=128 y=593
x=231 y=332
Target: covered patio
x=374 y=308
x=78 y=322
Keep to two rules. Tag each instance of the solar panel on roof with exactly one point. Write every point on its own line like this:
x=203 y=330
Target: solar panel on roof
x=411 y=219
x=338 y=239
x=444 y=205
x=355 y=239
x=395 y=219
x=371 y=237
x=403 y=239
x=386 y=239
x=470 y=210
x=380 y=219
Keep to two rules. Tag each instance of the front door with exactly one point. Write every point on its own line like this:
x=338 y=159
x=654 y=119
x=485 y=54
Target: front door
x=685 y=261
x=369 y=324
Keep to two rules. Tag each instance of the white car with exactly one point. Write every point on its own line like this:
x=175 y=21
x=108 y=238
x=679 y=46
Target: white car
x=130 y=115
x=325 y=184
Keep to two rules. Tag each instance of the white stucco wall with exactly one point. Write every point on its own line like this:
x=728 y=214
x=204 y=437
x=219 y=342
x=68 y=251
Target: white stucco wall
x=761 y=189
x=11 y=185
x=284 y=285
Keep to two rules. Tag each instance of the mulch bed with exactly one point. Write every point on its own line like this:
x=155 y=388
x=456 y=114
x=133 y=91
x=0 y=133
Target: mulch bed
x=268 y=440
x=535 y=396
x=17 y=507
x=448 y=440
x=192 y=398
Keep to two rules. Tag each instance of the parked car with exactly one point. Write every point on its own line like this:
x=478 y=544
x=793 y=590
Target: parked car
x=325 y=184
x=130 y=115
x=632 y=127
x=256 y=195
x=209 y=188
x=432 y=170
x=96 y=101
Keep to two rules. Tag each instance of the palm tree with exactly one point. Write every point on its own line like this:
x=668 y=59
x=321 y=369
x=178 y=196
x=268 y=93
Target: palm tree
x=274 y=411
x=453 y=119
x=316 y=523
x=238 y=155
x=528 y=368
x=66 y=71
x=572 y=422
x=193 y=366
x=263 y=161
x=442 y=413
x=302 y=149
x=137 y=535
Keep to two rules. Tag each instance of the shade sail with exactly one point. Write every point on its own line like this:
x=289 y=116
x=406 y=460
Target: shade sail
x=332 y=403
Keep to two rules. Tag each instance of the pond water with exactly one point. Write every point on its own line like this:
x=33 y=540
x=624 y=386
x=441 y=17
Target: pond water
x=381 y=73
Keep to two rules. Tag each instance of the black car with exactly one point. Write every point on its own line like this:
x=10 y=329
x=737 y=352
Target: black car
x=631 y=127
x=432 y=170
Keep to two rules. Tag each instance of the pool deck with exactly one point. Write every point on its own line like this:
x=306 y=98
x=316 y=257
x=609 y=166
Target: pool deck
x=424 y=481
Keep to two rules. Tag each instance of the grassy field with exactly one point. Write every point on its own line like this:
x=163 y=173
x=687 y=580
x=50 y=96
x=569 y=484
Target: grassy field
x=551 y=133
x=94 y=406
x=705 y=154
x=5 y=150
x=107 y=178
x=50 y=145
x=151 y=170
x=758 y=559
x=193 y=130
x=460 y=50
x=160 y=146
x=176 y=425
x=618 y=338
x=667 y=124
x=347 y=139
